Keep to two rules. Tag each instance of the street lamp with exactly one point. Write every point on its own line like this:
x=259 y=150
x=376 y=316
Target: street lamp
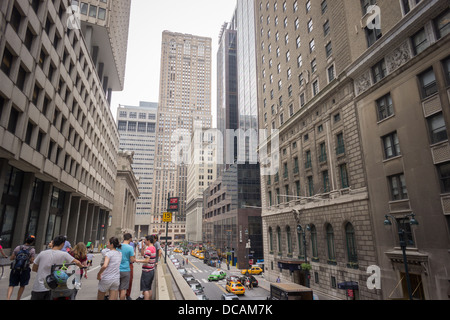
x=300 y=230
x=401 y=234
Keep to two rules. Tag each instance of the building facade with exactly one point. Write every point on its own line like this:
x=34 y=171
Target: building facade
x=185 y=97
x=59 y=143
x=319 y=62
x=402 y=92
x=137 y=130
x=122 y=219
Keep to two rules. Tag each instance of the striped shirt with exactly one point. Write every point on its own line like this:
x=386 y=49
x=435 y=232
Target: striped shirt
x=150 y=252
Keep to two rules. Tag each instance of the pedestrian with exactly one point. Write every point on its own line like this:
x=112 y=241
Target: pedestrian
x=109 y=274
x=126 y=266
x=43 y=263
x=158 y=249
x=89 y=245
x=79 y=252
x=67 y=247
x=278 y=279
x=90 y=257
x=23 y=257
x=1 y=251
x=148 y=268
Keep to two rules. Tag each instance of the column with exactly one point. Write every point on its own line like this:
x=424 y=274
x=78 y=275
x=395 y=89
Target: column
x=66 y=216
x=41 y=243
x=74 y=215
x=20 y=227
x=82 y=220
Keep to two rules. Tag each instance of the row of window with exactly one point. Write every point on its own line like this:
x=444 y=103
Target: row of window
x=350 y=243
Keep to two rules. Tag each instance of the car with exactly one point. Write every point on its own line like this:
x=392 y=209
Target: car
x=229 y=296
x=182 y=271
x=217 y=275
x=174 y=260
x=171 y=257
x=233 y=278
x=176 y=264
x=196 y=286
x=252 y=270
x=235 y=287
x=188 y=277
x=202 y=296
x=251 y=278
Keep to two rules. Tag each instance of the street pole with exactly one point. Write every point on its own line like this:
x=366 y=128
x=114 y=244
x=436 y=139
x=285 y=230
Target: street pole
x=167 y=230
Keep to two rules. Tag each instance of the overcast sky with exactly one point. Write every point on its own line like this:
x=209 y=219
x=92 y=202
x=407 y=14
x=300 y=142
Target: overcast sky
x=148 y=19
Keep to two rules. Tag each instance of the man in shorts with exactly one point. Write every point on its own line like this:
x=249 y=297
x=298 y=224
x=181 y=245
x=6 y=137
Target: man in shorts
x=148 y=267
x=126 y=265
x=21 y=277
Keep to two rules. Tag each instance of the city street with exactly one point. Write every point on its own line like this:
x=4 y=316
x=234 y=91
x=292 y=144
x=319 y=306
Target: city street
x=214 y=289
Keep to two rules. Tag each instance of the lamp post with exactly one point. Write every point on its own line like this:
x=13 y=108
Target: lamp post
x=300 y=229
x=401 y=234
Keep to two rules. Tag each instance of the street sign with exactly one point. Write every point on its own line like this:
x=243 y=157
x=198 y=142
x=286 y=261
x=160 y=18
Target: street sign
x=167 y=217
x=165 y=238
x=173 y=204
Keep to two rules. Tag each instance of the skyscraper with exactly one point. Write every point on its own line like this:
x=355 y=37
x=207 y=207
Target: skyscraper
x=58 y=140
x=185 y=97
x=137 y=129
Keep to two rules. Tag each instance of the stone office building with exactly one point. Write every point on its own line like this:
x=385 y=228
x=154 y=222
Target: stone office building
x=324 y=69
x=58 y=140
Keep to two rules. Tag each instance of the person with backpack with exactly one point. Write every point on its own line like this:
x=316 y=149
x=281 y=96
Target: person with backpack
x=23 y=257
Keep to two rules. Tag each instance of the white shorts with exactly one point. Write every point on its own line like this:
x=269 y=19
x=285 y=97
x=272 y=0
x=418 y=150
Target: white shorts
x=106 y=285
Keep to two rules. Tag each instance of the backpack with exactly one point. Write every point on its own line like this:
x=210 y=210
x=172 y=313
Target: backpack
x=22 y=260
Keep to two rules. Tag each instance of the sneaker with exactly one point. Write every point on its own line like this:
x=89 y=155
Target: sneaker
x=129 y=298
x=140 y=298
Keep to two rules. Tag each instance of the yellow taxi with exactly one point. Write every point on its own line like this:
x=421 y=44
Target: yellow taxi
x=235 y=287
x=201 y=255
x=252 y=270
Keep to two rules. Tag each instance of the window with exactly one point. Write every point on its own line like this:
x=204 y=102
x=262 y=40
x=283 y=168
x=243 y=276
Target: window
x=446 y=65
x=300 y=79
x=328 y=49
x=300 y=62
x=289 y=239
x=15 y=20
x=310 y=186
x=330 y=243
x=384 y=107
x=365 y=4
x=397 y=187
x=101 y=13
x=312 y=46
x=279 y=238
x=308 y=163
x=419 y=41
x=13 y=120
x=326 y=181
x=315 y=87
x=324 y=6
x=444 y=176
x=296 y=165
x=344 y=176
x=326 y=28
x=310 y=25
x=270 y=238
x=323 y=152
x=406 y=7
x=288 y=56
x=379 y=71
x=298 y=42
x=315 y=252
x=297 y=24
x=92 y=11
x=391 y=145
x=428 y=84
x=313 y=66
x=340 y=149
x=372 y=35
x=442 y=24
x=301 y=245
x=302 y=99
x=308 y=6
x=437 y=128
x=352 y=255
x=84 y=8
x=7 y=61
x=331 y=73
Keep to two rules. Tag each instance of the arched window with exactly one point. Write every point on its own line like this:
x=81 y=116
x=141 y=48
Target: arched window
x=315 y=253
x=279 y=238
x=270 y=240
x=352 y=256
x=330 y=243
x=289 y=239
x=301 y=246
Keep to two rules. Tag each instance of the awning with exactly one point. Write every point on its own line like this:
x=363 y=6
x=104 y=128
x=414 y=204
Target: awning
x=291 y=265
x=346 y=285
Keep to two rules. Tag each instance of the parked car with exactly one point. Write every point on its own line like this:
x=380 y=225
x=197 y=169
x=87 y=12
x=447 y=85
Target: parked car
x=202 y=296
x=196 y=286
x=252 y=270
x=251 y=278
x=217 y=275
x=229 y=296
x=176 y=264
x=182 y=271
x=188 y=277
x=235 y=287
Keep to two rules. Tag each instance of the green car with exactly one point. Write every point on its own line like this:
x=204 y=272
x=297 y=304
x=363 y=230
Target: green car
x=217 y=275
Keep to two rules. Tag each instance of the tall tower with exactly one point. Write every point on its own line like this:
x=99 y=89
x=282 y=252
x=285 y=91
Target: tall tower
x=137 y=129
x=185 y=97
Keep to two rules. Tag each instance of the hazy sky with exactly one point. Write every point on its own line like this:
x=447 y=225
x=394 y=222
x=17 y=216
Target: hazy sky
x=148 y=19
